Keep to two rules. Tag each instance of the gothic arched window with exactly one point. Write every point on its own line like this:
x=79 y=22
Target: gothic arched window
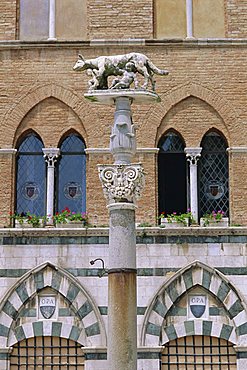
x=31 y=176
x=71 y=175
x=213 y=175
x=172 y=174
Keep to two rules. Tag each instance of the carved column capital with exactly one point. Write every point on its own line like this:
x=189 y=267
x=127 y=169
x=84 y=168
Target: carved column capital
x=193 y=155
x=51 y=155
x=121 y=182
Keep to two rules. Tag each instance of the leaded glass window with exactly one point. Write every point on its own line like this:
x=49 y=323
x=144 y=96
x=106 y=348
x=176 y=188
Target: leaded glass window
x=172 y=174
x=71 y=175
x=213 y=175
x=31 y=177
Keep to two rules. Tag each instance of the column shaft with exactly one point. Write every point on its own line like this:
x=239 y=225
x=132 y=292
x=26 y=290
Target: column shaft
x=52 y=20
x=189 y=18
x=193 y=191
x=122 y=325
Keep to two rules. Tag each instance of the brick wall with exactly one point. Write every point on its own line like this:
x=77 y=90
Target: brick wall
x=196 y=96
x=7 y=20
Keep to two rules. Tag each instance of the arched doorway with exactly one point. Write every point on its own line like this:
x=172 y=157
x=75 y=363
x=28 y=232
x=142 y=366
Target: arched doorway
x=45 y=353
x=198 y=352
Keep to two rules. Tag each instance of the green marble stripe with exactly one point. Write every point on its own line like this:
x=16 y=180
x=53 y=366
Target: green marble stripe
x=95 y=356
x=148 y=355
x=235 y=309
x=177 y=311
x=72 y=292
x=226 y=331
x=217 y=311
x=9 y=309
x=63 y=312
x=88 y=272
x=206 y=279
x=189 y=327
x=172 y=291
x=21 y=290
x=4 y=356
x=92 y=330
x=223 y=291
x=153 y=329
x=4 y=331
x=74 y=333
x=188 y=278
x=160 y=308
x=56 y=329
x=242 y=329
x=171 y=332
x=241 y=355
x=19 y=333
x=39 y=280
x=56 y=280
x=28 y=312
x=84 y=310
x=37 y=329
x=103 y=310
x=207 y=328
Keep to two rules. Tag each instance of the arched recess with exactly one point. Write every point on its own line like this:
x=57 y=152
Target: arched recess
x=192 y=115
x=222 y=106
x=87 y=327
x=213 y=173
x=172 y=189
x=155 y=332
x=27 y=101
x=71 y=173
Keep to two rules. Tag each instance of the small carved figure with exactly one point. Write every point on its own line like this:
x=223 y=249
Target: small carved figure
x=114 y=65
x=128 y=77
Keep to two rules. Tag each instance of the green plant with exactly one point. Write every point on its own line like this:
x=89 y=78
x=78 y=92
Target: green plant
x=66 y=216
x=183 y=218
x=27 y=217
x=214 y=216
x=144 y=224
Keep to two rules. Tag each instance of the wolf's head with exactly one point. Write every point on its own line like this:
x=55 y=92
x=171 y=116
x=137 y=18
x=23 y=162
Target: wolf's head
x=80 y=64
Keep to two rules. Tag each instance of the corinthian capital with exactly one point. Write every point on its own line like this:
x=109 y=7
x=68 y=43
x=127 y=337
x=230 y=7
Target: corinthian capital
x=193 y=155
x=121 y=182
x=51 y=155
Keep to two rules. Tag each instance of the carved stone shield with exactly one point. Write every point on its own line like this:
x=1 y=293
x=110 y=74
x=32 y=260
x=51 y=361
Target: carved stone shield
x=72 y=190
x=198 y=305
x=30 y=190
x=47 y=306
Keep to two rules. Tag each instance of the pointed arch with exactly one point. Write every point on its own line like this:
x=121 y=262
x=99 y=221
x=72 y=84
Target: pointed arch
x=222 y=106
x=49 y=276
x=31 y=98
x=211 y=280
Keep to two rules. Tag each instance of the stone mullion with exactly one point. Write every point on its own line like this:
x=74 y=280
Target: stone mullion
x=51 y=156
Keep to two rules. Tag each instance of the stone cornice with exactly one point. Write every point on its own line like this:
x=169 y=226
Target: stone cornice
x=172 y=42
x=8 y=151
x=100 y=151
x=237 y=149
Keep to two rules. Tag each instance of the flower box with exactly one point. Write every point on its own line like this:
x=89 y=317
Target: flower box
x=224 y=222
x=71 y=224
x=172 y=224
x=26 y=225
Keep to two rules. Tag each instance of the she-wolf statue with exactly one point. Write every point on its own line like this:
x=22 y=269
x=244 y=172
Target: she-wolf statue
x=102 y=67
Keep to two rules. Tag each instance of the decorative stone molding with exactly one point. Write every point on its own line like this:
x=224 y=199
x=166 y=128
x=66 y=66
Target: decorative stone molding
x=8 y=151
x=107 y=150
x=237 y=149
x=193 y=155
x=51 y=155
x=121 y=182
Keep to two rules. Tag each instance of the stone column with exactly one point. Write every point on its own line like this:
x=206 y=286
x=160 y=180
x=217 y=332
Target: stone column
x=189 y=19
x=122 y=184
x=193 y=155
x=51 y=156
x=52 y=20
